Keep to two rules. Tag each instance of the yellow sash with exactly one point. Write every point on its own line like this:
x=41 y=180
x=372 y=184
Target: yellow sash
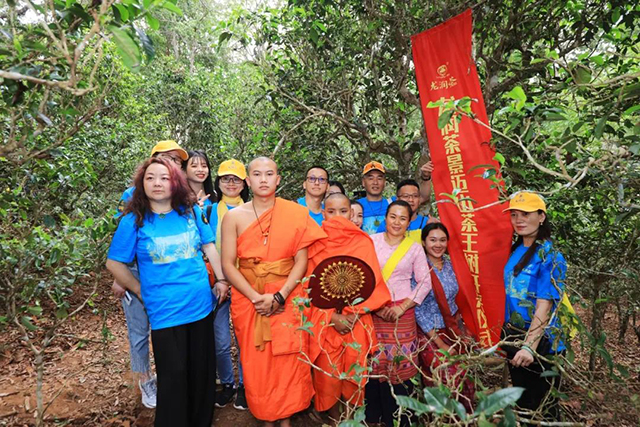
x=415 y=235
x=258 y=274
x=395 y=257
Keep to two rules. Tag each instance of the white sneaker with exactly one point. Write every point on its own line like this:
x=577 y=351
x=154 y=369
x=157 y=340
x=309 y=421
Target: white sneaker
x=149 y=391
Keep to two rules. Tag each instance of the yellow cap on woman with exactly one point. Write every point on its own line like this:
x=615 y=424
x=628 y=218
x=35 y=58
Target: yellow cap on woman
x=527 y=202
x=232 y=167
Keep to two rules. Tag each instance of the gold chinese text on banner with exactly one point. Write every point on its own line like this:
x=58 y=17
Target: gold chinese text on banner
x=479 y=239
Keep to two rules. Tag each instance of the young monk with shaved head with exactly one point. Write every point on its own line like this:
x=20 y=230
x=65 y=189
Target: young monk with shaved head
x=333 y=331
x=269 y=237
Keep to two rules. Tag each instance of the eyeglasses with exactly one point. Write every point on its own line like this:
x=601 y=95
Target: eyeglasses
x=314 y=179
x=174 y=159
x=228 y=179
x=409 y=196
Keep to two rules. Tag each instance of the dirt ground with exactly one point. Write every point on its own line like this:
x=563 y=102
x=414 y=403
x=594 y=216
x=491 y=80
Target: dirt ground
x=88 y=383
x=87 y=369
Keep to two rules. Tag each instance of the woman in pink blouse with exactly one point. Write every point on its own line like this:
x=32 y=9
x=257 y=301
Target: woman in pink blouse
x=395 y=325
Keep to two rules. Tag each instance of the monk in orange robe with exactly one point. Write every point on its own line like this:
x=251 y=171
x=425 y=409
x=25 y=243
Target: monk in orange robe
x=269 y=237
x=332 y=346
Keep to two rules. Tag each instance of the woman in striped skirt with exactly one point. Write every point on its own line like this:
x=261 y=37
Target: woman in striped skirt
x=406 y=274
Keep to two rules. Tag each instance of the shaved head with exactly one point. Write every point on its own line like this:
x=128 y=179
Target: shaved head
x=338 y=196
x=262 y=160
x=337 y=204
x=263 y=178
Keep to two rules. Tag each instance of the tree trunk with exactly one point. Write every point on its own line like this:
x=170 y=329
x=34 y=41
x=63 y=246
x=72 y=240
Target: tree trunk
x=624 y=315
x=596 y=321
x=39 y=362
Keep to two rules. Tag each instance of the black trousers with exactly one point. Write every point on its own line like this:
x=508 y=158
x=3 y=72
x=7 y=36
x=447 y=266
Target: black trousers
x=537 y=388
x=380 y=403
x=185 y=358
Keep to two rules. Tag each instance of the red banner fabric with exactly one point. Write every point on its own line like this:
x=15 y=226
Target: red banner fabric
x=479 y=238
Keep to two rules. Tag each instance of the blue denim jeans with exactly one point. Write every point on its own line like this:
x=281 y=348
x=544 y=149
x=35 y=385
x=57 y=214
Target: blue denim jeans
x=138 y=329
x=222 y=332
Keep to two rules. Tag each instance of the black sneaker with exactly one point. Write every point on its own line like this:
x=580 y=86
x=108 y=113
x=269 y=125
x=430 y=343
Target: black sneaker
x=224 y=397
x=241 y=400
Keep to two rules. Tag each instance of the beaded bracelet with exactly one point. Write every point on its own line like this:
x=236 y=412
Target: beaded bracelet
x=529 y=349
x=279 y=298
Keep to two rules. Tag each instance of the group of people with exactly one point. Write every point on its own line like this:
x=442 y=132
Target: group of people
x=193 y=255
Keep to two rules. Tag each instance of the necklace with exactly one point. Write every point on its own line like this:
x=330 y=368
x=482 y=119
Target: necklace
x=265 y=234
x=161 y=215
x=376 y=222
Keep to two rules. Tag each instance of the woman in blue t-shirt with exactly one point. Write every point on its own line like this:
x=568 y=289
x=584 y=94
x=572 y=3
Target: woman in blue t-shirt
x=534 y=286
x=163 y=230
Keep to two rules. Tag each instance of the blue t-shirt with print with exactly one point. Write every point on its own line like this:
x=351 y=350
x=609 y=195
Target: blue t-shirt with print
x=416 y=224
x=373 y=214
x=317 y=217
x=542 y=278
x=173 y=277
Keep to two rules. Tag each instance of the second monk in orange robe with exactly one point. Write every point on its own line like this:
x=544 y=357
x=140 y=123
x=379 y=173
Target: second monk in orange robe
x=338 y=350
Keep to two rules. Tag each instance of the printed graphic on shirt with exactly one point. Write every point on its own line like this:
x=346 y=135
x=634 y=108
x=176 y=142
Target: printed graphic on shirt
x=370 y=224
x=166 y=249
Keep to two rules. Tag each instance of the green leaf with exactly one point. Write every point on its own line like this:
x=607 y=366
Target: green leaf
x=484 y=423
x=123 y=11
x=509 y=419
x=498 y=400
x=499 y=158
x=416 y=406
x=61 y=313
x=435 y=399
x=153 y=22
x=313 y=34
x=582 y=75
x=444 y=119
x=226 y=35
x=26 y=322
x=517 y=94
x=357 y=301
x=172 y=8
x=147 y=45
x=600 y=126
x=320 y=26
x=35 y=310
x=128 y=49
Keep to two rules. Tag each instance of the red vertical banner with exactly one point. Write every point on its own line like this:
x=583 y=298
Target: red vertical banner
x=479 y=238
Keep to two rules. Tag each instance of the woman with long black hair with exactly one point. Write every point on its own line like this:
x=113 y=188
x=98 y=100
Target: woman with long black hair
x=534 y=284
x=198 y=172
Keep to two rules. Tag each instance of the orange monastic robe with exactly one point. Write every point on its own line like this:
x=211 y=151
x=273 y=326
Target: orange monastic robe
x=277 y=384
x=330 y=351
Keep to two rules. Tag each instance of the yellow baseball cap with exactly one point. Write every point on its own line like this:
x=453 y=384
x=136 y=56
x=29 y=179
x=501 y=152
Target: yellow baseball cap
x=169 y=145
x=373 y=166
x=232 y=167
x=527 y=202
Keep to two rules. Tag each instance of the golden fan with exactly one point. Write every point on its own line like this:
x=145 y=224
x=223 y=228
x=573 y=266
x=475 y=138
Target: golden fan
x=340 y=280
